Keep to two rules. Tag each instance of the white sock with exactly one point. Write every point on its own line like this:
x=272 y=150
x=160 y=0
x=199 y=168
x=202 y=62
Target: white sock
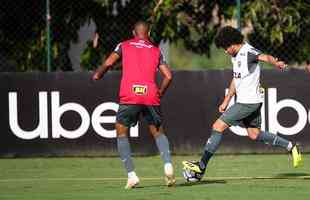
x=168 y=169
x=132 y=174
x=289 y=146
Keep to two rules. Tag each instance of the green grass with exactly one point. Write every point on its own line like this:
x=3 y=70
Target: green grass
x=239 y=177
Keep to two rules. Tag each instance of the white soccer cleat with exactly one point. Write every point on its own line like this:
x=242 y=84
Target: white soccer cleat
x=169 y=175
x=132 y=182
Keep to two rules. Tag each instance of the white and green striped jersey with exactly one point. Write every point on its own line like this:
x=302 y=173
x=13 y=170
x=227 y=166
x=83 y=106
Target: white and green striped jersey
x=246 y=72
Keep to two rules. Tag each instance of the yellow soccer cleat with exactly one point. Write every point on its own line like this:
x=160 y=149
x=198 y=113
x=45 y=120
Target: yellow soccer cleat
x=193 y=166
x=296 y=156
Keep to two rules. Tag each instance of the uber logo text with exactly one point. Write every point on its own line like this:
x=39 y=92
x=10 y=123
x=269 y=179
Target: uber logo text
x=57 y=110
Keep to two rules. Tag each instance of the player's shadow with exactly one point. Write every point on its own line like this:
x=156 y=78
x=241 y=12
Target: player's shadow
x=204 y=182
x=149 y=186
x=292 y=176
x=185 y=184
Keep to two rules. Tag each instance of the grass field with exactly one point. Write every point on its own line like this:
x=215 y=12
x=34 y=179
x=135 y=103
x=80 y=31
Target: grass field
x=239 y=177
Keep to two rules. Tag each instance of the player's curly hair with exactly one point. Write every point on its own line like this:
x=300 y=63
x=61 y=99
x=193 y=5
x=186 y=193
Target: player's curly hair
x=227 y=36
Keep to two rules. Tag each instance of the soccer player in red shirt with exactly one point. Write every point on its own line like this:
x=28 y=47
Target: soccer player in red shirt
x=139 y=95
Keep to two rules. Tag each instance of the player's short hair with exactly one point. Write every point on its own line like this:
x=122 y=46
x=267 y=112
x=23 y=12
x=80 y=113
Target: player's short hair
x=142 y=23
x=228 y=36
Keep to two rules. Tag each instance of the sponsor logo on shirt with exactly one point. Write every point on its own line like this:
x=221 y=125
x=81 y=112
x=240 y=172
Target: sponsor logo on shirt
x=141 y=45
x=237 y=75
x=139 y=89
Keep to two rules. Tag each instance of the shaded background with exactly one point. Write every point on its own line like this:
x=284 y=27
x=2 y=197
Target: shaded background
x=59 y=35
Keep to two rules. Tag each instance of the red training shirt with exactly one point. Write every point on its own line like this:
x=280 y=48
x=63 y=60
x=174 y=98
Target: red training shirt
x=140 y=61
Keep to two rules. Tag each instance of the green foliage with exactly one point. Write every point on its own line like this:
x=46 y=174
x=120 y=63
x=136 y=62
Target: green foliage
x=114 y=21
x=189 y=21
x=21 y=33
x=91 y=57
x=67 y=18
x=280 y=27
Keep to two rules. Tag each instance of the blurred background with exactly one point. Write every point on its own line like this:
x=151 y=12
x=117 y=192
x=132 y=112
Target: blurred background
x=75 y=35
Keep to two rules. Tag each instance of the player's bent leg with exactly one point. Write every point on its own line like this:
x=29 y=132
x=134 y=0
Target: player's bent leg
x=162 y=144
x=269 y=138
x=275 y=140
x=253 y=133
x=219 y=125
x=124 y=150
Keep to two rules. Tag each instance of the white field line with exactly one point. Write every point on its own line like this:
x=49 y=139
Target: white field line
x=152 y=178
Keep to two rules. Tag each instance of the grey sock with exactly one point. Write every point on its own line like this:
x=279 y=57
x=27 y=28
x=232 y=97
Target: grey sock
x=273 y=139
x=163 y=147
x=125 y=153
x=214 y=141
x=210 y=148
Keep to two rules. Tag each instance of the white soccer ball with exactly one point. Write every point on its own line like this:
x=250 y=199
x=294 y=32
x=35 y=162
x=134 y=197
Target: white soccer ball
x=191 y=176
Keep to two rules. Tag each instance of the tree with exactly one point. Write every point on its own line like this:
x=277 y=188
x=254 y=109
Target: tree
x=20 y=34
x=193 y=22
x=114 y=20
x=280 y=27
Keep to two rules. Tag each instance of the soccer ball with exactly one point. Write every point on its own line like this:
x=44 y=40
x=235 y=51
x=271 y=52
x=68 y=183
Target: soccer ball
x=191 y=176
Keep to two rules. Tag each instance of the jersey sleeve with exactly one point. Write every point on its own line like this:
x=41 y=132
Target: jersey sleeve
x=118 y=49
x=253 y=55
x=162 y=59
x=252 y=59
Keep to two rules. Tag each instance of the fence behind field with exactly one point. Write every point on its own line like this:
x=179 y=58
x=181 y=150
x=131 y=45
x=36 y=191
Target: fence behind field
x=61 y=35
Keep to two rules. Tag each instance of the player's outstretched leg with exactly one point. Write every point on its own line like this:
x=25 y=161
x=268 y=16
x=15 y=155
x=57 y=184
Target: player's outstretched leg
x=275 y=140
x=210 y=148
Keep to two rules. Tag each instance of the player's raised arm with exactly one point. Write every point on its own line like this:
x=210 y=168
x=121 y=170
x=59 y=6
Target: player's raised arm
x=272 y=60
x=104 y=67
x=167 y=78
x=229 y=95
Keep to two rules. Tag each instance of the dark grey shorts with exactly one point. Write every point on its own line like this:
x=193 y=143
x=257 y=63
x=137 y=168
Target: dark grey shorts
x=243 y=114
x=128 y=115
